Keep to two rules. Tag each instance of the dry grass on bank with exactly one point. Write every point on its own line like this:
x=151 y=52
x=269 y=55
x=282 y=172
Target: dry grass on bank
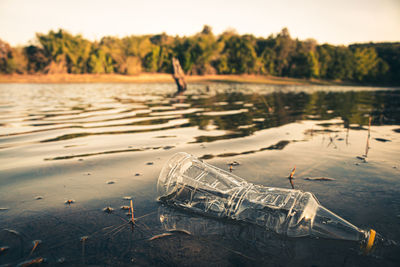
x=151 y=78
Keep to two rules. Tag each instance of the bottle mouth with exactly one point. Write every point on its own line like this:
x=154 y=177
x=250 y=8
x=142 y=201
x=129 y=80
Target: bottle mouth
x=166 y=183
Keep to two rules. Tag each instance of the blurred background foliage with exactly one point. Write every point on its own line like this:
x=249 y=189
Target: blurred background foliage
x=205 y=53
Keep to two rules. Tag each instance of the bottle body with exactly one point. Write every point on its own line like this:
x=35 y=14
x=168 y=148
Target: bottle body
x=189 y=183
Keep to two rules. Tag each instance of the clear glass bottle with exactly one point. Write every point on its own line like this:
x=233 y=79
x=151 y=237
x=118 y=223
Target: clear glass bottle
x=189 y=183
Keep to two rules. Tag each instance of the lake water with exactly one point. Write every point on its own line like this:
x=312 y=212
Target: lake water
x=98 y=144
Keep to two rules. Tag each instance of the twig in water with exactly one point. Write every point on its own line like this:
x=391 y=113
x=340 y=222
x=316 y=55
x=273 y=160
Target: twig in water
x=369 y=125
x=291 y=177
x=83 y=240
x=332 y=142
x=140 y=217
x=33 y=262
x=133 y=219
x=368 y=137
x=292 y=173
x=35 y=244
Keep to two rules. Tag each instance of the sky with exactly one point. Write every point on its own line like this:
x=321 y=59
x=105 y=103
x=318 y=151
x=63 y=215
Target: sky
x=327 y=21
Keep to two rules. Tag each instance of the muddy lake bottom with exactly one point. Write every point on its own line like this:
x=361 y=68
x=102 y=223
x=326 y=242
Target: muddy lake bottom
x=101 y=145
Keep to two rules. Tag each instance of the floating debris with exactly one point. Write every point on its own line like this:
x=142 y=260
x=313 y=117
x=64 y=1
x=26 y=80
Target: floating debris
x=3 y=209
x=165 y=136
x=168 y=147
x=382 y=140
x=88 y=173
x=362 y=158
x=319 y=179
x=4 y=249
x=111 y=182
x=233 y=163
x=125 y=207
x=38 y=197
x=69 y=202
x=149 y=163
x=180 y=231
x=159 y=236
x=127 y=198
x=138 y=174
x=61 y=260
x=108 y=209
x=33 y=262
x=11 y=231
x=80 y=159
x=35 y=245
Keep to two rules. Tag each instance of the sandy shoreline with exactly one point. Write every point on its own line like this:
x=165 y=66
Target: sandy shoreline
x=154 y=78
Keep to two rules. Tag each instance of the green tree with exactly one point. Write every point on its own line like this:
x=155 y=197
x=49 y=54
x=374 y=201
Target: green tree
x=62 y=48
x=37 y=59
x=284 y=48
x=7 y=64
x=240 y=53
x=366 y=63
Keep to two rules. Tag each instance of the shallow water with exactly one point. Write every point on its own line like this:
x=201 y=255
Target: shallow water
x=98 y=143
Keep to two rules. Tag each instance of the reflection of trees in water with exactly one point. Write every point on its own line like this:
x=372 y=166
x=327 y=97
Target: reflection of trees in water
x=280 y=108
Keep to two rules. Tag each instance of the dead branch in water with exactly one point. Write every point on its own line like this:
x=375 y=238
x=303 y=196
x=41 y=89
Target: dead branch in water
x=179 y=75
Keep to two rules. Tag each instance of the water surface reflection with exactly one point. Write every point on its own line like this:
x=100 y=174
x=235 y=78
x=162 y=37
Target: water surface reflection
x=60 y=142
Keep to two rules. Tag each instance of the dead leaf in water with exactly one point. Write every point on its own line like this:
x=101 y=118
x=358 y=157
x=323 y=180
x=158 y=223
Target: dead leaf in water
x=159 y=236
x=108 y=209
x=33 y=262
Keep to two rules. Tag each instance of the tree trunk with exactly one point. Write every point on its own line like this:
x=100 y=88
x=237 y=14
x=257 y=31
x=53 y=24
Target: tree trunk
x=178 y=75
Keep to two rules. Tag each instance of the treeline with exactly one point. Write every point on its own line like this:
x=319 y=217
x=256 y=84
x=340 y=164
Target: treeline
x=205 y=53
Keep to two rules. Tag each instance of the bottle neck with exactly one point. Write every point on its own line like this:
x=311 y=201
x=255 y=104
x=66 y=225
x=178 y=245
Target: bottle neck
x=327 y=224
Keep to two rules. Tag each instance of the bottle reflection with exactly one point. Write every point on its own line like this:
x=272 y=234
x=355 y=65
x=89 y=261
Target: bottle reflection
x=247 y=235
